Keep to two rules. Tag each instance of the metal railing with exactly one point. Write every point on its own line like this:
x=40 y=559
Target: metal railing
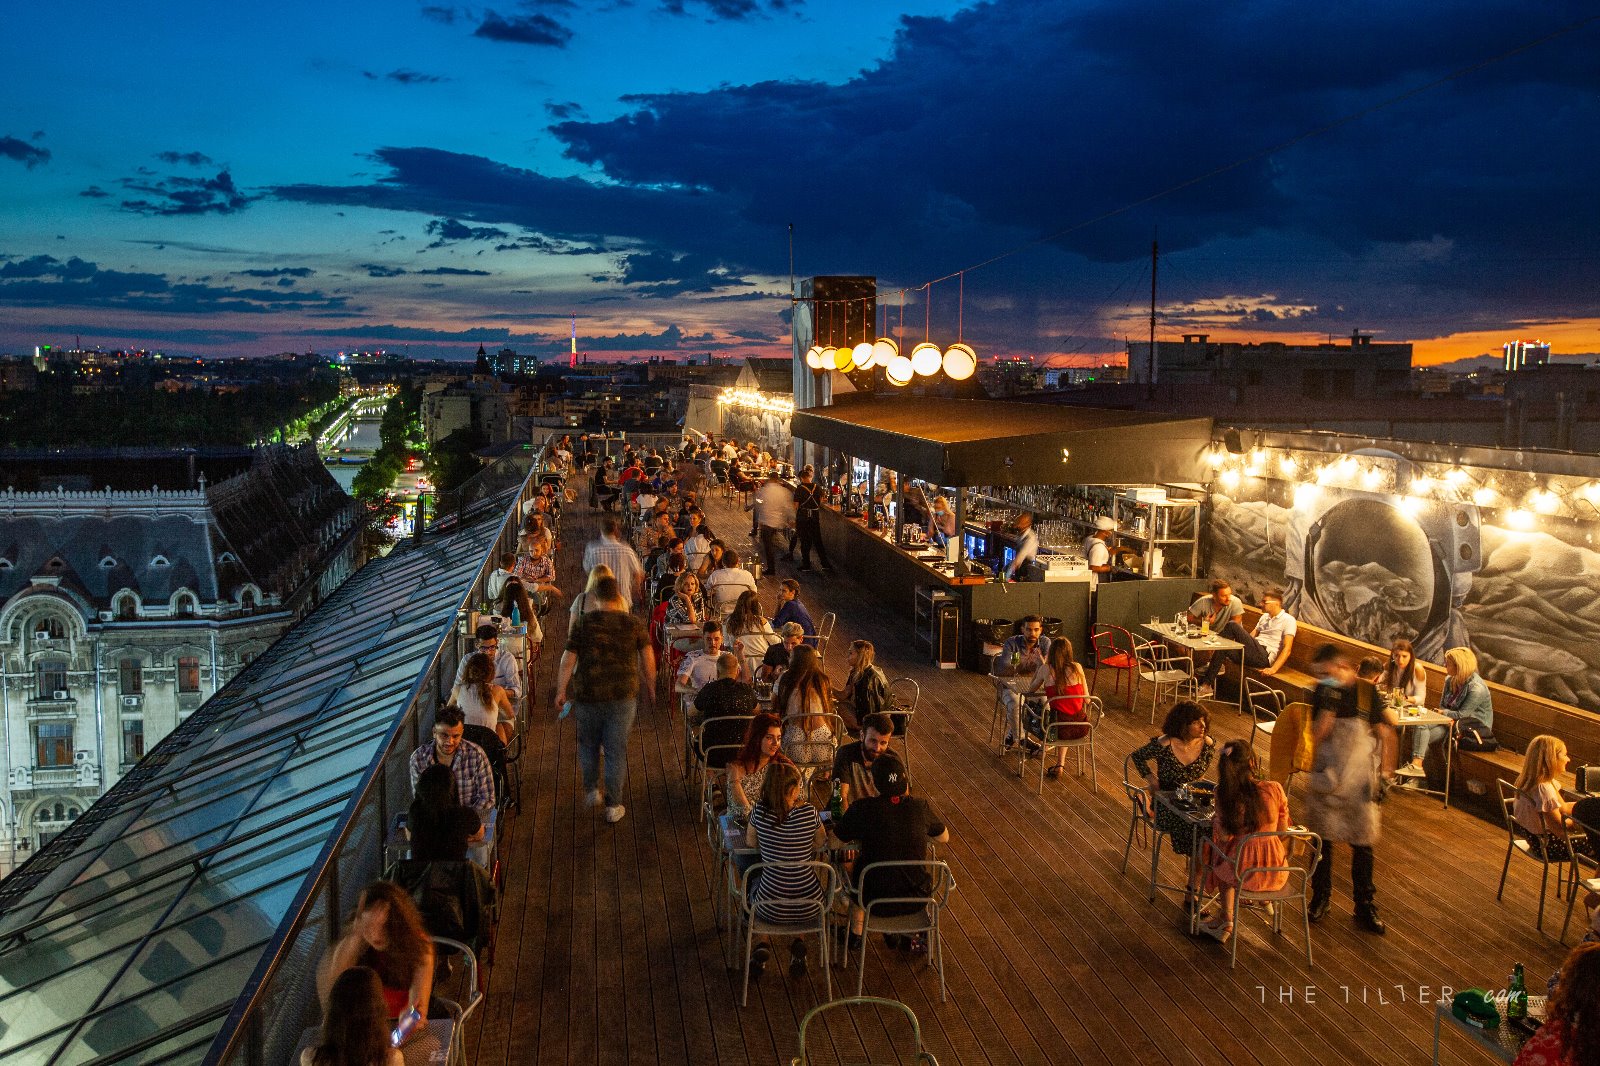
x=268 y=1018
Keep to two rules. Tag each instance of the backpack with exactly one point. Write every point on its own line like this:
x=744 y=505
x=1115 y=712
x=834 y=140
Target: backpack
x=872 y=694
x=1473 y=735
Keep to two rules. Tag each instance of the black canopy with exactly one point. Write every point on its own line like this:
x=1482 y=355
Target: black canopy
x=986 y=442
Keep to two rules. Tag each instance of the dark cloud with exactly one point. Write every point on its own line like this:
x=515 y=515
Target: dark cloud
x=193 y=159
x=442 y=14
x=406 y=77
x=276 y=272
x=728 y=10
x=450 y=230
x=44 y=281
x=665 y=274
x=177 y=195
x=95 y=192
x=455 y=272
x=527 y=28
x=563 y=109
x=376 y=270
x=21 y=151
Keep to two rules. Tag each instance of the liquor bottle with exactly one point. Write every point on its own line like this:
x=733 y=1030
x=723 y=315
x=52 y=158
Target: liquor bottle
x=1517 y=995
x=836 y=804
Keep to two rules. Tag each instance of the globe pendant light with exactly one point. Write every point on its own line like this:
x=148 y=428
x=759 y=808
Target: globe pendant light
x=814 y=357
x=825 y=357
x=884 y=352
x=926 y=359
x=899 y=371
x=862 y=354
x=960 y=362
x=844 y=358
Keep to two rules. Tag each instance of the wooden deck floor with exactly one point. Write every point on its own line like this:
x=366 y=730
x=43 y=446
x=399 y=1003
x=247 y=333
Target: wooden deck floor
x=607 y=954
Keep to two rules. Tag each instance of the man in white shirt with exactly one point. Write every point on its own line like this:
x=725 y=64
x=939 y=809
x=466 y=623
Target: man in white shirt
x=699 y=668
x=1266 y=649
x=774 y=512
x=725 y=585
x=1097 y=549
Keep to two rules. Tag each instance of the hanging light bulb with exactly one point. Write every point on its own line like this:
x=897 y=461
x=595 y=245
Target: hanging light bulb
x=926 y=359
x=844 y=358
x=814 y=357
x=960 y=362
x=884 y=351
x=862 y=355
x=899 y=371
x=825 y=357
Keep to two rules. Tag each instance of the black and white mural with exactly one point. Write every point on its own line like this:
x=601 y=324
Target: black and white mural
x=1375 y=546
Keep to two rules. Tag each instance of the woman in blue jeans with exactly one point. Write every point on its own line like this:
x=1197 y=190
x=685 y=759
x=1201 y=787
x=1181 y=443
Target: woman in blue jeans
x=1466 y=696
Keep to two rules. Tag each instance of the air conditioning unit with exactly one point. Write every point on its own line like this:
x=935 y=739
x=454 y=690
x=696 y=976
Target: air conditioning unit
x=131 y=701
x=61 y=694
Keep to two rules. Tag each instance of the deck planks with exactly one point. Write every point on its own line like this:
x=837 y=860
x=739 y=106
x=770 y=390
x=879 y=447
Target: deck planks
x=607 y=952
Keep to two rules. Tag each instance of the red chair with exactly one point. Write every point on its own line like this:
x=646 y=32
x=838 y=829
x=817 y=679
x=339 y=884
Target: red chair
x=1113 y=649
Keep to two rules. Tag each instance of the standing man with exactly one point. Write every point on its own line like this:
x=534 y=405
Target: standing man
x=1266 y=649
x=607 y=653
x=1020 y=656
x=1351 y=725
x=774 y=513
x=808 y=520
x=1027 y=545
x=609 y=548
x=1097 y=549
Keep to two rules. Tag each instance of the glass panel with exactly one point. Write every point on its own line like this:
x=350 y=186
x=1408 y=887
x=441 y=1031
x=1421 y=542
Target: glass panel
x=53 y=999
x=171 y=1005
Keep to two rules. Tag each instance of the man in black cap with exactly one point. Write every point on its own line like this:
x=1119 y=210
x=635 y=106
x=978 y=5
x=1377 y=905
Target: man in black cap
x=893 y=825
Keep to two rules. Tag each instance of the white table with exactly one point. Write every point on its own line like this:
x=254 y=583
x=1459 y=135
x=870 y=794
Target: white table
x=1172 y=633
x=1412 y=717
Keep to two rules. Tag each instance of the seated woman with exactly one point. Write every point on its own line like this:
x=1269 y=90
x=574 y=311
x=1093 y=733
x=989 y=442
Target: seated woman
x=387 y=935
x=484 y=703
x=802 y=697
x=747 y=771
x=605 y=490
x=1570 y=1035
x=1465 y=698
x=748 y=632
x=1404 y=675
x=355 y=1025
x=1539 y=812
x=1181 y=755
x=1060 y=679
x=1245 y=805
x=712 y=560
x=866 y=690
x=784 y=829
x=441 y=827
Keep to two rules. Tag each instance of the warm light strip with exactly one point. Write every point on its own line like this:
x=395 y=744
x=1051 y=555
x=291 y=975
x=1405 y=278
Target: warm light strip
x=749 y=398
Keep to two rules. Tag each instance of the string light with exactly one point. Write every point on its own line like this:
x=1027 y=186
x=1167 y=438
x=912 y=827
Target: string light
x=752 y=400
x=960 y=362
x=899 y=371
x=1521 y=519
x=862 y=354
x=926 y=359
x=1543 y=501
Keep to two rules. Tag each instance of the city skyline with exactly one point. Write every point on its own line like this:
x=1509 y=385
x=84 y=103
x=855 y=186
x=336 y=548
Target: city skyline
x=428 y=178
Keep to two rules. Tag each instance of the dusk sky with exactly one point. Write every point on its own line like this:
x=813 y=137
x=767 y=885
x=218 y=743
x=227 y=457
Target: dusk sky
x=247 y=179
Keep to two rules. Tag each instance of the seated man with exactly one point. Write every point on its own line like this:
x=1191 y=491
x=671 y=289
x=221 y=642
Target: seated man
x=1020 y=657
x=725 y=696
x=507 y=672
x=776 y=661
x=726 y=584
x=891 y=826
x=699 y=668
x=1217 y=609
x=790 y=609
x=1266 y=649
x=852 y=766
x=468 y=763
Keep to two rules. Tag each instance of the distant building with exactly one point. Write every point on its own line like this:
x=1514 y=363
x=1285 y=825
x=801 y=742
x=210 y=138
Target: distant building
x=123 y=608
x=482 y=404
x=507 y=361
x=1312 y=371
x=1520 y=355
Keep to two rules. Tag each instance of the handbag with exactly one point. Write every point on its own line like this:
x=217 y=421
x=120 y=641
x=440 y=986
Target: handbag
x=1473 y=735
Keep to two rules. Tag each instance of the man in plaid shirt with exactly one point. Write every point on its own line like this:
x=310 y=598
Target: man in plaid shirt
x=468 y=763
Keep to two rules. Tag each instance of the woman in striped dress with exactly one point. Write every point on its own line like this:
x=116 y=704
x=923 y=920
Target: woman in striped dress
x=784 y=830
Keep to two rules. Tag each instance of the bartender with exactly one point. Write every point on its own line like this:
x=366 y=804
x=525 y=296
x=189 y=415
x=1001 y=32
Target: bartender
x=1027 y=545
x=941 y=521
x=1097 y=548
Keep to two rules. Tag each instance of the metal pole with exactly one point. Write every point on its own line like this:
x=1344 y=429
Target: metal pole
x=961 y=523
x=1150 y=388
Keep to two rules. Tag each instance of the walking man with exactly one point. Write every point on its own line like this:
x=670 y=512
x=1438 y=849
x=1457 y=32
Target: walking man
x=808 y=518
x=608 y=652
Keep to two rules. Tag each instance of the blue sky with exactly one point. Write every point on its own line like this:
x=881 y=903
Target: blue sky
x=425 y=176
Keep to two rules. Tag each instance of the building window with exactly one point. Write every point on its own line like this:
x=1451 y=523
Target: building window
x=50 y=677
x=53 y=745
x=130 y=677
x=50 y=628
x=185 y=606
x=132 y=740
x=127 y=609
x=189 y=674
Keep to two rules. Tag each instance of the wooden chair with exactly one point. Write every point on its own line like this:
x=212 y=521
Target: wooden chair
x=923 y=920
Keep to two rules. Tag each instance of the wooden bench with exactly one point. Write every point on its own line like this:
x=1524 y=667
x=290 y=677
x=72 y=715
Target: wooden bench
x=1518 y=716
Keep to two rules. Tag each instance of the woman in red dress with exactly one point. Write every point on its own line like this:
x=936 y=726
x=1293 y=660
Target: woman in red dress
x=1570 y=1035
x=1060 y=677
x=1245 y=805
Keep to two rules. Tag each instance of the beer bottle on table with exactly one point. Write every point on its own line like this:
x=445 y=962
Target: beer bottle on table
x=836 y=804
x=1517 y=995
